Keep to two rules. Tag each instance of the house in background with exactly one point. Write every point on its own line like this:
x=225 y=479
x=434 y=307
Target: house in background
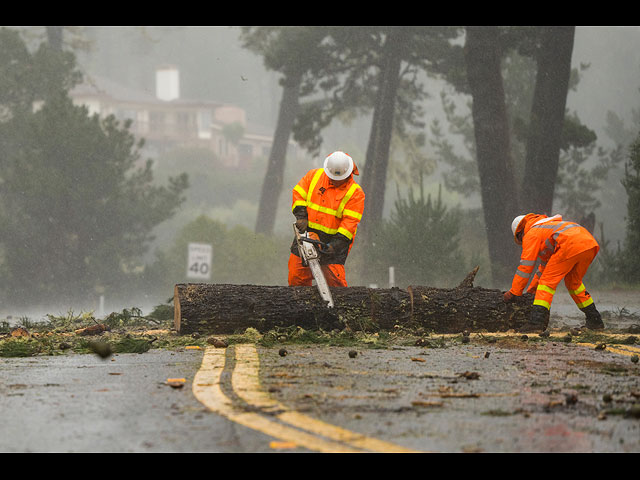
x=167 y=121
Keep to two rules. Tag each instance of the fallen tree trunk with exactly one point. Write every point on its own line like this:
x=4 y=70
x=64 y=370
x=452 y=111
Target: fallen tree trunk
x=224 y=309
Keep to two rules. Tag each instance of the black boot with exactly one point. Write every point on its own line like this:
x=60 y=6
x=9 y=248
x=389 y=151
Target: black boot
x=594 y=320
x=538 y=321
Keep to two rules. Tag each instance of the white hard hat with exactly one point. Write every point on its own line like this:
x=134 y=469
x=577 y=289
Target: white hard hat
x=338 y=166
x=515 y=223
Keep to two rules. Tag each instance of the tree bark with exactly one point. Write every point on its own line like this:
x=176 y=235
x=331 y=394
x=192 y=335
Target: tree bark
x=374 y=176
x=227 y=309
x=547 y=119
x=272 y=185
x=495 y=165
x=54 y=37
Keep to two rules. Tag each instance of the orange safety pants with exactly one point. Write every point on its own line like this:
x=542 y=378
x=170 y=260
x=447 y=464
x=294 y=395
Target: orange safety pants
x=572 y=269
x=299 y=275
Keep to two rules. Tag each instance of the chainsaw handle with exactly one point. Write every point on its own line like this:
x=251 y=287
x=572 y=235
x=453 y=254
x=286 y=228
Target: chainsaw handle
x=316 y=242
x=301 y=238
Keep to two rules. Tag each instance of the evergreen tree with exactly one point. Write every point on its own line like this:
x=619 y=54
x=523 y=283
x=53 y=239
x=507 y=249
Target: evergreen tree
x=77 y=203
x=421 y=240
x=631 y=183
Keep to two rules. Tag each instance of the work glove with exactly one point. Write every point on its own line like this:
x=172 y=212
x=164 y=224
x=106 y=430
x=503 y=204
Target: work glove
x=507 y=297
x=329 y=249
x=301 y=224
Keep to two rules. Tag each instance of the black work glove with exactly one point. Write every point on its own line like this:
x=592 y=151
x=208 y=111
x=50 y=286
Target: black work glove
x=301 y=224
x=329 y=249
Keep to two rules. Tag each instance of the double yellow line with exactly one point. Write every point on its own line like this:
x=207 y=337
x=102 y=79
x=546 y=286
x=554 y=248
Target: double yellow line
x=265 y=414
x=620 y=349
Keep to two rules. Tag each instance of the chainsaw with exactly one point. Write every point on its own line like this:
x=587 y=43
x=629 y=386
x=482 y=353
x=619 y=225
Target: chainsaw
x=310 y=258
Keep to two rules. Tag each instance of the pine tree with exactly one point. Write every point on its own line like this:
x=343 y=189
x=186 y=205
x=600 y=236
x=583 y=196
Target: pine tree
x=631 y=183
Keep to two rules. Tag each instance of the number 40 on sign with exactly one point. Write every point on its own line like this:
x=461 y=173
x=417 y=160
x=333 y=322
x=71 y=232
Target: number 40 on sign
x=199 y=261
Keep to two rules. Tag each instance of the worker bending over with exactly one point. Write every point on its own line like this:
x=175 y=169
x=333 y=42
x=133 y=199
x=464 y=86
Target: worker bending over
x=330 y=203
x=561 y=250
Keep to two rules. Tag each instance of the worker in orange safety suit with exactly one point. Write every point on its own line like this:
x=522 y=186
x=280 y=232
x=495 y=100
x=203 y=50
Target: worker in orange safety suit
x=561 y=250
x=330 y=203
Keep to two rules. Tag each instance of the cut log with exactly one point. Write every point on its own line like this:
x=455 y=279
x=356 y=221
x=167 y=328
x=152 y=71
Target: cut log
x=226 y=309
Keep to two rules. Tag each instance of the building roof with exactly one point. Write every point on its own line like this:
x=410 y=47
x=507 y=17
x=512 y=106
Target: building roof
x=95 y=85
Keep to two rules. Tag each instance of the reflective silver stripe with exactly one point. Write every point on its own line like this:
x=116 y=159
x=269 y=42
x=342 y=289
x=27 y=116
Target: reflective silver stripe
x=532 y=276
x=522 y=274
x=527 y=263
x=555 y=235
x=545 y=226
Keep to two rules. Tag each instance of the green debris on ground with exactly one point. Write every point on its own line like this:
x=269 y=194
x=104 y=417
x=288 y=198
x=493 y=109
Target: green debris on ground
x=19 y=347
x=129 y=331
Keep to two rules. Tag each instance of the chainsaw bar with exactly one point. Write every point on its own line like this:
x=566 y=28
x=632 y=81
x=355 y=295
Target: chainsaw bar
x=309 y=256
x=321 y=282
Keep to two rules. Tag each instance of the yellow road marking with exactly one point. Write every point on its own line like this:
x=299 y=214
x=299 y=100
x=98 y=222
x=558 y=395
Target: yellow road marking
x=246 y=384
x=621 y=349
x=206 y=388
x=245 y=381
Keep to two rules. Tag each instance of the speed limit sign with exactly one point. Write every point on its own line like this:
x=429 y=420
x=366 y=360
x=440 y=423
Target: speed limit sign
x=199 y=261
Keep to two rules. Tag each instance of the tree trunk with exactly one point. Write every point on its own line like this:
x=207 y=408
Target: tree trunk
x=495 y=165
x=272 y=185
x=374 y=176
x=54 y=37
x=547 y=119
x=226 y=309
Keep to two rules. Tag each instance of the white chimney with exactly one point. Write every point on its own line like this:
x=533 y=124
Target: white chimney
x=167 y=83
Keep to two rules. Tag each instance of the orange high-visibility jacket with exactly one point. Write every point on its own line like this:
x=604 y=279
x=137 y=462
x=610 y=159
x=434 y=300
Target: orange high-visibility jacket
x=332 y=211
x=545 y=236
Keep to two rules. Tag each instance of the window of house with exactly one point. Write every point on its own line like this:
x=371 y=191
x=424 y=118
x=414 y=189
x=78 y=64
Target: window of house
x=203 y=120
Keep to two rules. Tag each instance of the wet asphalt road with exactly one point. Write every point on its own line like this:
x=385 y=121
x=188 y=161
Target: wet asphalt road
x=511 y=395
x=502 y=397
x=81 y=403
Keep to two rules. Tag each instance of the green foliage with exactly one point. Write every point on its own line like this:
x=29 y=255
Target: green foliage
x=631 y=183
x=129 y=344
x=128 y=317
x=606 y=268
x=421 y=241
x=346 y=74
x=26 y=78
x=162 y=313
x=240 y=256
x=233 y=132
x=67 y=322
x=582 y=171
x=77 y=205
x=620 y=265
x=19 y=347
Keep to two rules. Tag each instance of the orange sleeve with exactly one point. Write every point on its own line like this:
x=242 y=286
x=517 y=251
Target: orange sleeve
x=301 y=191
x=352 y=213
x=530 y=250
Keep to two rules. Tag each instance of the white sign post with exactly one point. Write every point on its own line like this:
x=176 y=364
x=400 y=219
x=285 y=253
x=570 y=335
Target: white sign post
x=199 y=261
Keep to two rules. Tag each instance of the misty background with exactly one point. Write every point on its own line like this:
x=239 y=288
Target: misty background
x=220 y=204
